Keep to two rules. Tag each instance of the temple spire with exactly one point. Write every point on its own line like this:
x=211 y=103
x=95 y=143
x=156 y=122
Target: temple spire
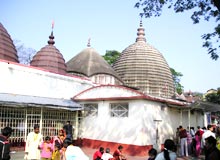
x=52 y=24
x=88 y=44
x=140 y=33
x=51 y=37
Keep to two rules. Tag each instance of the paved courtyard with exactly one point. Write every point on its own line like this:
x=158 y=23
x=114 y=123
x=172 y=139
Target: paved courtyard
x=19 y=155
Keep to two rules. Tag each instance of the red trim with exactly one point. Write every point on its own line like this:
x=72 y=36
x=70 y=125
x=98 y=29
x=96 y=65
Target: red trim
x=110 y=98
x=129 y=149
x=141 y=96
x=102 y=86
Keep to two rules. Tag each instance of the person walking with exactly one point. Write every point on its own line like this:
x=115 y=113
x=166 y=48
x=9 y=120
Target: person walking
x=32 y=148
x=4 y=143
x=197 y=144
x=183 y=141
x=68 y=129
x=206 y=134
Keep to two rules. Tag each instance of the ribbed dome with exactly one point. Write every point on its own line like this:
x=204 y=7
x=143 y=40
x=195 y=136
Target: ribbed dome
x=88 y=63
x=50 y=58
x=142 y=66
x=7 y=49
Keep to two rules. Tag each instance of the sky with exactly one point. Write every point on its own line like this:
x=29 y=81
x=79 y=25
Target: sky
x=112 y=25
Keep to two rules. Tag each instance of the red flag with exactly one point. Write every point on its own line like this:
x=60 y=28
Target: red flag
x=52 y=24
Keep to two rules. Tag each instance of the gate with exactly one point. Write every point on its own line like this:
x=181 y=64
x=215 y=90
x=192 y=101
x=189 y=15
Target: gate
x=31 y=120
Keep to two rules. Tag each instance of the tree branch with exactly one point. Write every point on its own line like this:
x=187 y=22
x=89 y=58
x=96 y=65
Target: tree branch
x=217 y=4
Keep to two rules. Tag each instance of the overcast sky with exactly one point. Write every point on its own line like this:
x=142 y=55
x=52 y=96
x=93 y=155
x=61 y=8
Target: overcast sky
x=112 y=25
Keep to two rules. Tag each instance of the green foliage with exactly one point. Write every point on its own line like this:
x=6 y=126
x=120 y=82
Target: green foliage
x=213 y=97
x=205 y=9
x=111 y=56
x=176 y=78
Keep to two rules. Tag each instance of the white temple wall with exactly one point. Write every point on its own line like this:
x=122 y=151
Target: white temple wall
x=104 y=79
x=139 y=128
x=24 y=80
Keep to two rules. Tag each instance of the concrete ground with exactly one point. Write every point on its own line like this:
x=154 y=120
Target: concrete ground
x=19 y=155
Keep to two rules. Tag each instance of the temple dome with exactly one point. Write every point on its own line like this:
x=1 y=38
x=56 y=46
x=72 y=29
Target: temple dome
x=89 y=63
x=50 y=58
x=143 y=67
x=8 y=51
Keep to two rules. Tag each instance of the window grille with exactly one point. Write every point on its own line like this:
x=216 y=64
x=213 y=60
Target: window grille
x=90 y=109
x=119 y=109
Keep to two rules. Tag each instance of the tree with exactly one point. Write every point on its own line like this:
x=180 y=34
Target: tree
x=112 y=55
x=25 y=54
x=202 y=8
x=213 y=97
x=176 y=78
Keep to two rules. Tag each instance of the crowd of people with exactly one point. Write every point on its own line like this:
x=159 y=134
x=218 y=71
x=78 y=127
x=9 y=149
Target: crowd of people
x=104 y=154
x=202 y=141
x=196 y=141
x=59 y=147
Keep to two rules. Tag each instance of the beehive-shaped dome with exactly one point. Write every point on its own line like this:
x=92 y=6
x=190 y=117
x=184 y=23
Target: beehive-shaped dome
x=7 y=49
x=142 y=66
x=50 y=58
x=89 y=63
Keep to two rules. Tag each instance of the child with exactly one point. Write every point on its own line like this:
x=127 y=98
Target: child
x=46 y=149
x=56 y=153
x=152 y=154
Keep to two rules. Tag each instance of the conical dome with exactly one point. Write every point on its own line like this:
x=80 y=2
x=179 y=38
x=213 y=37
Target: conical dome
x=90 y=63
x=50 y=58
x=142 y=66
x=7 y=49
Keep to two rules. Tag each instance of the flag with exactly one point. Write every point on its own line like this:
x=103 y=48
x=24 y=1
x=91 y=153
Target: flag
x=52 y=24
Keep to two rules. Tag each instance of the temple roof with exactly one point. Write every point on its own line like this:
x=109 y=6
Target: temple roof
x=142 y=66
x=50 y=58
x=89 y=62
x=8 y=51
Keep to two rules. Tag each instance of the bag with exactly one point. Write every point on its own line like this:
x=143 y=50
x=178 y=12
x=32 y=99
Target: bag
x=3 y=143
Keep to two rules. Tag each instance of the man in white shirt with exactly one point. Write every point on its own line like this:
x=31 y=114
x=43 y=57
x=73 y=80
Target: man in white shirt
x=34 y=139
x=206 y=134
